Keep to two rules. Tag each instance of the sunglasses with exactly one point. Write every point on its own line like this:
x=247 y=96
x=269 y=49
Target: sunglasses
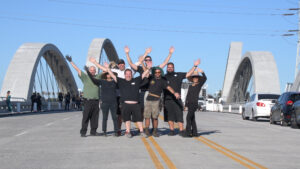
x=148 y=60
x=158 y=72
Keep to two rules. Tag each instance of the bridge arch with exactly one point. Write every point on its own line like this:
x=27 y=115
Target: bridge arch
x=262 y=67
x=96 y=48
x=296 y=84
x=20 y=75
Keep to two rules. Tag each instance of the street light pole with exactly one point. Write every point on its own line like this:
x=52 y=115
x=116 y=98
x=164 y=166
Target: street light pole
x=298 y=44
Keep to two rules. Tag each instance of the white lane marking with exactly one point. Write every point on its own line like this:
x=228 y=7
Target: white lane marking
x=49 y=124
x=67 y=118
x=24 y=132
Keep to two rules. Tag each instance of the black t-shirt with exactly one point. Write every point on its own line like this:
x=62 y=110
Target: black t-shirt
x=174 y=80
x=193 y=91
x=129 y=90
x=156 y=87
x=108 y=89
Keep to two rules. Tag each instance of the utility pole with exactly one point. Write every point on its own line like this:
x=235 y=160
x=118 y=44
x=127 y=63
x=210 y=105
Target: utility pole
x=298 y=44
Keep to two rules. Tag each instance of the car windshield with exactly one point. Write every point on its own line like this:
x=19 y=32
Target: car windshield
x=268 y=96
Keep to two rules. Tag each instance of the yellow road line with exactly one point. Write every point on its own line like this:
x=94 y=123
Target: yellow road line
x=244 y=158
x=162 y=154
x=153 y=156
x=226 y=154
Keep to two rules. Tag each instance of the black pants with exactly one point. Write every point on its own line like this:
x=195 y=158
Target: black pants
x=105 y=107
x=191 y=127
x=90 y=113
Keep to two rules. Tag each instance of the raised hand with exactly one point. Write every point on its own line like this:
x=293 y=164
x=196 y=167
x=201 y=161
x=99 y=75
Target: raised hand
x=126 y=49
x=106 y=64
x=92 y=59
x=171 y=50
x=148 y=50
x=69 y=58
x=197 y=62
x=141 y=59
x=199 y=70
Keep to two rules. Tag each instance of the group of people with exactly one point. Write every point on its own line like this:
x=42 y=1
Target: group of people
x=75 y=101
x=132 y=98
x=36 y=98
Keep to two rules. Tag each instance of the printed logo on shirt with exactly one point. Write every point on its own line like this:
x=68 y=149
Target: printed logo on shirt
x=168 y=82
x=175 y=75
x=152 y=82
x=133 y=83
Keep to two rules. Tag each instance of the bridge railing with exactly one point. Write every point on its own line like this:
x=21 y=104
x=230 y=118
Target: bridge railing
x=21 y=106
x=232 y=107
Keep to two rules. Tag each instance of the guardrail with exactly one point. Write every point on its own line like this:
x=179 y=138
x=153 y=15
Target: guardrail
x=18 y=106
x=229 y=107
x=233 y=107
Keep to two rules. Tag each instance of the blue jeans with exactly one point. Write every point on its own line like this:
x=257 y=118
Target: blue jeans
x=105 y=107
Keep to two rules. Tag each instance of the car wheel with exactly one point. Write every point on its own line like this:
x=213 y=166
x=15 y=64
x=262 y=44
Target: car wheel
x=253 y=118
x=243 y=115
x=294 y=122
x=282 y=121
x=271 y=119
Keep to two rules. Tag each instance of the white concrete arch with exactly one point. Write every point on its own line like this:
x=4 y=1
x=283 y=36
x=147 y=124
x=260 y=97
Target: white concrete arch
x=262 y=67
x=296 y=84
x=96 y=47
x=20 y=75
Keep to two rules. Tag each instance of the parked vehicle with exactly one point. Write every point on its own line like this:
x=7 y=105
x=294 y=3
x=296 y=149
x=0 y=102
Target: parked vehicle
x=259 y=106
x=210 y=104
x=281 y=111
x=201 y=104
x=295 y=116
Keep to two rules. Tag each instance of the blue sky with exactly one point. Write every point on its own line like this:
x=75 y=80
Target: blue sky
x=196 y=28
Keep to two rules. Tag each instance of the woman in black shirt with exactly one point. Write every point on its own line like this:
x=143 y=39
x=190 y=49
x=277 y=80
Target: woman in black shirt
x=109 y=99
x=192 y=101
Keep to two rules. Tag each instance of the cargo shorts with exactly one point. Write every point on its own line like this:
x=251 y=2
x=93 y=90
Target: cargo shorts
x=151 y=108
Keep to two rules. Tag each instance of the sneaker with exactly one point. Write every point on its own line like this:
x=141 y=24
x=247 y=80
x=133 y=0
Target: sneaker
x=119 y=133
x=128 y=134
x=147 y=132
x=83 y=135
x=181 y=133
x=142 y=134
x=171 y=133
x=155 y=134
x=104 y=134
x=116 y=134
x=195 y=135
x=94 y=134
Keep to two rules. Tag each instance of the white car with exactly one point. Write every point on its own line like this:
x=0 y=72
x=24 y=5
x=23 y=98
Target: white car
x=210 y=104
x=259 y=106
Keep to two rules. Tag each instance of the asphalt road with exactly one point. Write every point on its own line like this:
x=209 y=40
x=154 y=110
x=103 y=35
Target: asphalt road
x=52 y=140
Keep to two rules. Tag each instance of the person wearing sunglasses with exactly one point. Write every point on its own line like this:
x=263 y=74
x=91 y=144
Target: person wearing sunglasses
x=156 y=86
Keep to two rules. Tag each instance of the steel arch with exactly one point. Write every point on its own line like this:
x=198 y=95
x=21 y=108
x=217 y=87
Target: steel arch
x=20 y=75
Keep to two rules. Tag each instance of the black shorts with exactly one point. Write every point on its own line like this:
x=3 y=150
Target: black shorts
x=131 y=109
x=174 y=110
x=119 y=106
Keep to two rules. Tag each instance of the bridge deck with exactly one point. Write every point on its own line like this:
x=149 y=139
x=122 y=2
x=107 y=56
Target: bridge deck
x=52 y=140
